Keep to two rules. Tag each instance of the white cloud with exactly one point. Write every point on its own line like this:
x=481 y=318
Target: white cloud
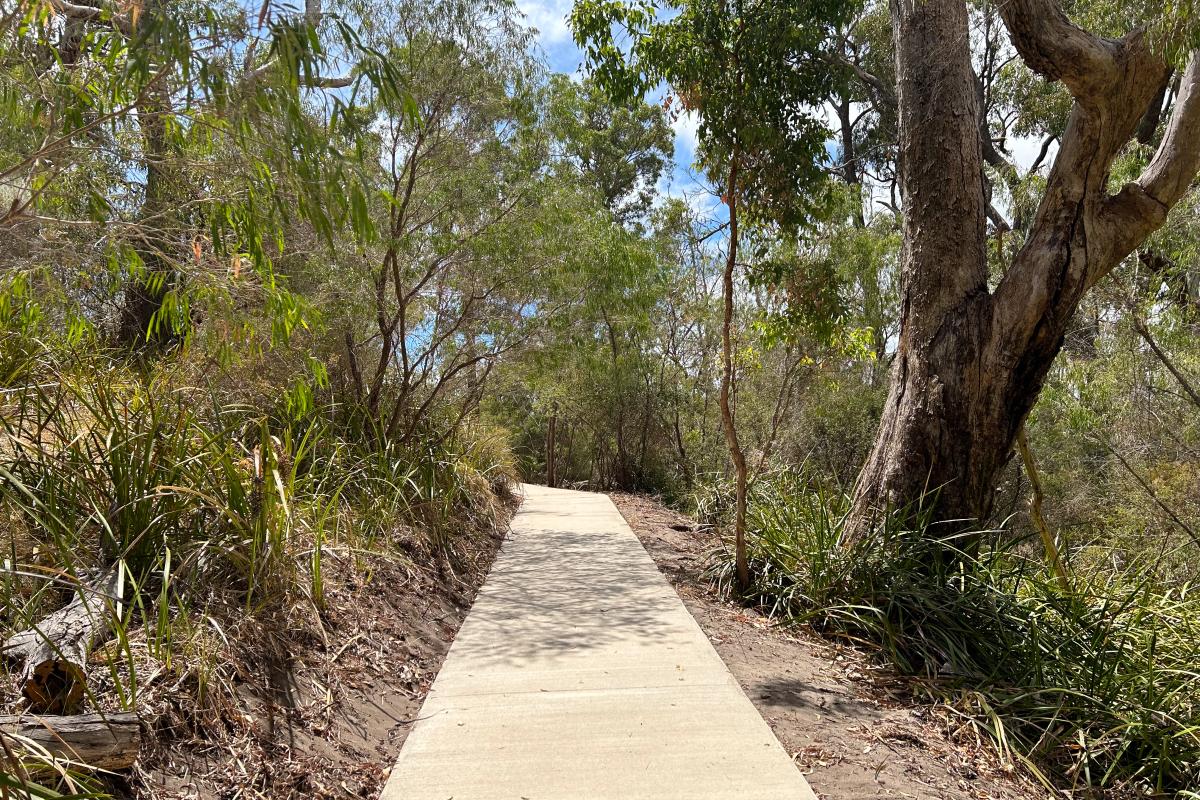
x=550 y=19
x=687 y=128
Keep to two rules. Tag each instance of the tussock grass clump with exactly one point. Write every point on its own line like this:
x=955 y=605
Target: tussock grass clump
x=219 y=518
x=1095 y=687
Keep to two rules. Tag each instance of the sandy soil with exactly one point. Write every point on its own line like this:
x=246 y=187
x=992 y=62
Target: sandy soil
x=854 y=728
x=348 y=695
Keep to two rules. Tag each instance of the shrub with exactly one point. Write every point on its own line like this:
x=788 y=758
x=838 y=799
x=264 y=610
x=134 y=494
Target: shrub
x=1100 y=683
x=215 y=513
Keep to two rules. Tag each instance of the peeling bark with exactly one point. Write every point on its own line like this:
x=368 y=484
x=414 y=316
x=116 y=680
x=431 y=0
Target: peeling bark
x=971 y=362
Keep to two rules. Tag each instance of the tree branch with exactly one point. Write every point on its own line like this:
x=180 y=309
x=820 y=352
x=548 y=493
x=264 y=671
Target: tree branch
x=1000 y=162
x=317 y=82
x=1058 y=49
x=998 y=221
x=1143 y=331
x=1149 y=123
x=93 y=14
x=1141 y=207
x=1178 y=158
x=1041 y=156
x=884 y=94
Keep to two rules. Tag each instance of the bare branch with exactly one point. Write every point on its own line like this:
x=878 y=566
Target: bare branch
x=885 y=95
x=999 y=223
x=1143 y=331
x=1058 y=49
x=317 y=82
x=340 y=82
x=1149 y=123
x=92 y=14
x=1041 y=156
x=1141 y=207
x=1178 y=158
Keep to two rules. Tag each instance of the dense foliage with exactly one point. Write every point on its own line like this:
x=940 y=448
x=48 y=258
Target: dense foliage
x=284 y=287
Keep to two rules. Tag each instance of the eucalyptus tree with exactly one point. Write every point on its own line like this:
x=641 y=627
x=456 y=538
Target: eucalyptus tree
x=591 y=356
x=754 y=72
x=621 y=149
x=159 y=149
x=973 y=353
x=475 y=234
x=863 y=103
x=618 y=151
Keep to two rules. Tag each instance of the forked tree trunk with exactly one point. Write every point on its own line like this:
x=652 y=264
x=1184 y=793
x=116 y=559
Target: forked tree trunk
x=971 y=361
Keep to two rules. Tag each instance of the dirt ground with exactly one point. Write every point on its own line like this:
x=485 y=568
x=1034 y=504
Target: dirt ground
x=349 y=697
x=853 y=728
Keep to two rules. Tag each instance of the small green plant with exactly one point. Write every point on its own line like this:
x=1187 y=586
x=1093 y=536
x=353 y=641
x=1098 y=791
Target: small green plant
x=1098 y=686
x=211 y=513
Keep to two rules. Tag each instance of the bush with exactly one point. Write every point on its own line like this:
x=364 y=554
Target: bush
x=215 y=513
x=1100 y=683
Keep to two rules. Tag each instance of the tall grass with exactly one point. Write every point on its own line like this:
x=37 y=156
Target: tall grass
x=213 y=512
x=1093 y=688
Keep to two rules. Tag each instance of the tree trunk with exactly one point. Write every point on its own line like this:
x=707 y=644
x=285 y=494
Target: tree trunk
x=551 y=435
x=742 y=565
x=54 y=652
x=622 y=464
x=850 y=168
x=685 y=464
x=568 y=458
x=141 y=320
x=971 y=362
x=924 y=439
x=101 y=741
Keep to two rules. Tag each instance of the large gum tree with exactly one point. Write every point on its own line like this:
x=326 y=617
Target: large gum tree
x=973 y=354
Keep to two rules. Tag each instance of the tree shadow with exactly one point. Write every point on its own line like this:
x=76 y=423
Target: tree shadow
x=561 y=592
x=804 y=695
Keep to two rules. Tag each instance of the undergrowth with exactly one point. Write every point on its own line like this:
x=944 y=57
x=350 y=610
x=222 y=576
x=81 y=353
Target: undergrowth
x=219 y=519
x=1093 y=688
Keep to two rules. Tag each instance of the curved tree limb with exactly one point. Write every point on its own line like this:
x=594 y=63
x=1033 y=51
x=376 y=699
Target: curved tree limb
x=1178 y=158
x=1141 y=206
x=1053 y=46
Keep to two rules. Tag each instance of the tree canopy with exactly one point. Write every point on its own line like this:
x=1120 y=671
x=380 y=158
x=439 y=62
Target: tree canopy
x=288 y=293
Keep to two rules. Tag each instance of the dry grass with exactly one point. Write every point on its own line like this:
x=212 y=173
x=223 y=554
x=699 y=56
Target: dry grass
x=238 y=532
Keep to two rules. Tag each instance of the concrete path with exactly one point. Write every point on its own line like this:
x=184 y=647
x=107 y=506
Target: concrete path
x=579 y=675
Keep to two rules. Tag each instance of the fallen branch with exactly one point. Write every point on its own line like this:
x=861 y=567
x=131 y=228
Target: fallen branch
x=53 y=653
x=99 y=741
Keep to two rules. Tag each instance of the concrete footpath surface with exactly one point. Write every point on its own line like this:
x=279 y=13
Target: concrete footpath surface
x=579 y=675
